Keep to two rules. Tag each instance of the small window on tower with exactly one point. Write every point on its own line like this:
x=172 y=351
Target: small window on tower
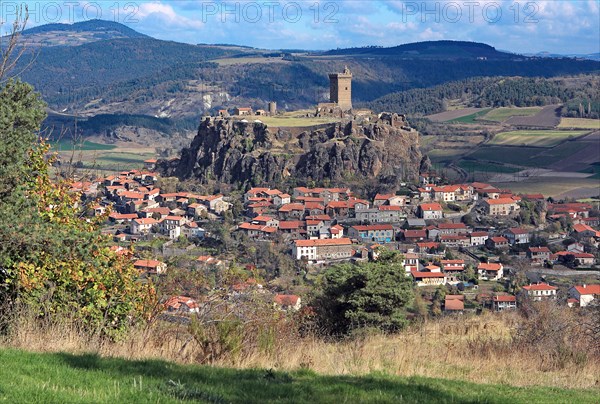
x=346 y=88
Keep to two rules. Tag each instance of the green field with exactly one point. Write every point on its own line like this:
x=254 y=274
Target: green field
x=116 y=161
x=65 y=378
x=68 y=145
x=534 y=138
x=444 y=155
x=579 y=123
x=480 y=166
x=470 y=118
x=502 y=114
x=521 y=156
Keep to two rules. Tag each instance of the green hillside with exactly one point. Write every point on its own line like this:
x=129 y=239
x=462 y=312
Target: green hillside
x=66 y=378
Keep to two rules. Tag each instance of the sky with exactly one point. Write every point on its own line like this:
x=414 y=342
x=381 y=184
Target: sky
x=564 y=27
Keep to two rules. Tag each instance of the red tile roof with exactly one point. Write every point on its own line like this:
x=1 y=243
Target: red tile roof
x=500 y=201
x=588 y=289
x=539 y=249
x=540 y=286
x=489 y=267
x=326 y=242
x=504 y=298
x=429 y=207
x=417 y=274
x=453 y=304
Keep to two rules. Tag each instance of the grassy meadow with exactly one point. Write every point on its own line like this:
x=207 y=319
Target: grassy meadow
x=66 y=145
x=472 y=118
x=502 y=114
x=579 y=123
x=68 y=378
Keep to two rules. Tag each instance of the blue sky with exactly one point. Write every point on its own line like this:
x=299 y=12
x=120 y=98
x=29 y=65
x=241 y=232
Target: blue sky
x=519 y=26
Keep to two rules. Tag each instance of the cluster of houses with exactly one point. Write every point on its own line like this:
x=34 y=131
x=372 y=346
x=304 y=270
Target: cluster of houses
x=142 y=208
x=329 y=225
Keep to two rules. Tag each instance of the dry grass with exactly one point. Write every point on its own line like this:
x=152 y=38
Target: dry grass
x=475 y=349
x=579 y=123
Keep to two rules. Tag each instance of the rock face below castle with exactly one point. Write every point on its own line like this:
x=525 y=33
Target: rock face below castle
x=381 y=149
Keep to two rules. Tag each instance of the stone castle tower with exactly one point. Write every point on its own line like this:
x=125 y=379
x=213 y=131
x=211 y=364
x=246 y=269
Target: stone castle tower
x=340 y=89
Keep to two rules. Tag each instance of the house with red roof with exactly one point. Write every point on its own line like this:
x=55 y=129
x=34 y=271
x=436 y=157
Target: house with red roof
x=427 y=278
x=414 y=235
x=122 y=217
x=477 y=238
x=142 y=225
x=585 y=294
x=281 y=199
x=182 y=304
x=454 y=303
x=258 y=231
x=336 y=231
x=490 y=271
x=583 y=231
x=151 y=266
x=504 y=302
x=291 y=211
x=294 y=228
x=500 y=206
x=497 y=242
x=430 y=211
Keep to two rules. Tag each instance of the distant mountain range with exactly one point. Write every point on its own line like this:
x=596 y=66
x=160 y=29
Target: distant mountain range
x=588 y=56
x=101 y=67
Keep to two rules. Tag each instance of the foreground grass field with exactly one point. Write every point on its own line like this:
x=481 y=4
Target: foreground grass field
x=66 y=378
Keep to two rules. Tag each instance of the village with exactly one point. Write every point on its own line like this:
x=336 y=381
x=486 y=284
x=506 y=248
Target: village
x=486 y=247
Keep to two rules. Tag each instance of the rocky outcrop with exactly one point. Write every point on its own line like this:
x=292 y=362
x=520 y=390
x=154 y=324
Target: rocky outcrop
x=376 y=148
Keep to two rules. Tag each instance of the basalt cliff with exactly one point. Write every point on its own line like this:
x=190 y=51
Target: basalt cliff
x=381 y=150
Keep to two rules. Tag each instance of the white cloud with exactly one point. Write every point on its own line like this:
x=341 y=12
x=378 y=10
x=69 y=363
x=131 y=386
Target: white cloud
x=161 y=13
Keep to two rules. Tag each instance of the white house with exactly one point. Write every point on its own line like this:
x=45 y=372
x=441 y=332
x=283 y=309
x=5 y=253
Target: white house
x=142 y=225
x=540 y=291
x=585 y=294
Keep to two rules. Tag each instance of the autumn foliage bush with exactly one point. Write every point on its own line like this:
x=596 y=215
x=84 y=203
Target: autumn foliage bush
x=53 y=260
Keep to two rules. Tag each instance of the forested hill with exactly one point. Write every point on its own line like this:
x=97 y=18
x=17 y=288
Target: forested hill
x=484 y=92
x=51 y=35
x=130 y=73
x=86 y=26
x=431 y=50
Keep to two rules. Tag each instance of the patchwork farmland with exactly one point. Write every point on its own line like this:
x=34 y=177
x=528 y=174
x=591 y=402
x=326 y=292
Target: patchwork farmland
x=549 y=158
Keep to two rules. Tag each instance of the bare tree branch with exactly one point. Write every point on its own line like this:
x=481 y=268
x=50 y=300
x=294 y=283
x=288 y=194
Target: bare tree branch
x=12 y=48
